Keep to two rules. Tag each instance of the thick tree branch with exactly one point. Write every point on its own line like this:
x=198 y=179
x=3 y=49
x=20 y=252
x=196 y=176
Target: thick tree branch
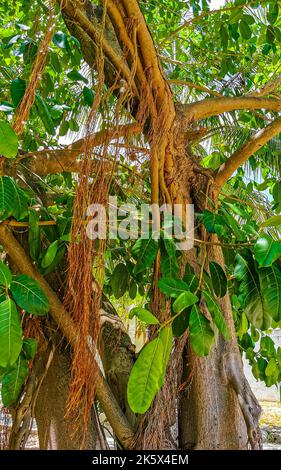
x=105 y=396
x=75 y=12
x=214 y=106
x=268 y=88
x=195 y=86
x=249 y=148
x=129 y=46
x=45 y=162
x=150 y=61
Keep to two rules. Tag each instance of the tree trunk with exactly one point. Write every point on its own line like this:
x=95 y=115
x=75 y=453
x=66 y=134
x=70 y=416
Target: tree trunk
x=54 y=431
x=217 y=409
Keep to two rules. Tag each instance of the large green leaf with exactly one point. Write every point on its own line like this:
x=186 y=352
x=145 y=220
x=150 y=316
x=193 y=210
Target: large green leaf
x=270 y=283
x=8 y=140
x=166 y=337
x=144 y=315
x=200 y=332
x=44 y=114
x=267 y=250
x=212 y=221
x=172 y=287
x=50 y=254
x=181 y=322
x=219 y=280
x=216 y=314
x=146 y=376
x=119 y=280
x=145 y=251
x=17 y=89
x=5 y=275
x=20 y=210
x=274 y=221
x=89 y=96
x=13 y=381
x=29 y=295
x=183 y=301
x=10 y=333
x=169 y=266
x=249 y=290
x=7 y=197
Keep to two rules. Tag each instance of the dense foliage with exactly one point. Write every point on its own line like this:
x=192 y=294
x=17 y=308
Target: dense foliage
x=227 y=53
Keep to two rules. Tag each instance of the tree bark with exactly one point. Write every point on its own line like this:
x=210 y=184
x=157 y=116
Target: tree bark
x=55 y=432
x=217 y=409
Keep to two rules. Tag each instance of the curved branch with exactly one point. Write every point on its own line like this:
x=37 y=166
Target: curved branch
x=254 y=143
x=214 y=106
x=115 y=416
x=268 y=88
x=176 y=81
x=151 y=63
x=76 y=14
x=46 y=162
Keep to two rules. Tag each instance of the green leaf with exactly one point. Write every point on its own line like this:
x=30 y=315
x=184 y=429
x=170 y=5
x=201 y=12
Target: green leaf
x=270 y=283
x=145 y=251
x=272 y=13
x=168 y=265
x=50 y=254
x=119 y=280
x=249 y=290
x=183 y=301
x=170 y=246
x=166 y=337
x=5 y=275
x=212 y=221
x=60 y=40
x=248 y=18
x=13 y=381
x=172 y=287
x=88 y=95
x=181 y=322
x=270 y=35
x=192 y=281
x=7 y=197
x=245 y=29
x=34 y=239
x=217 y=315
x=76 y=76
x=219 y=279
x=271 y=367
x=267 y=250
x=29 y=295
x=10 y=333
x=144 y=315
x=44 y=114
x=146 y=376
x=21 y=201
x=17 y=89
x=8 y=140
x=200 y=332
x=29 y=348
x=224 y=35
x=267 y=348
x=274 y=221
x=133 y=290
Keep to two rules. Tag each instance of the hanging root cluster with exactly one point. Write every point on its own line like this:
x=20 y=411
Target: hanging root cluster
x=38 y=66
x=86 y=256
